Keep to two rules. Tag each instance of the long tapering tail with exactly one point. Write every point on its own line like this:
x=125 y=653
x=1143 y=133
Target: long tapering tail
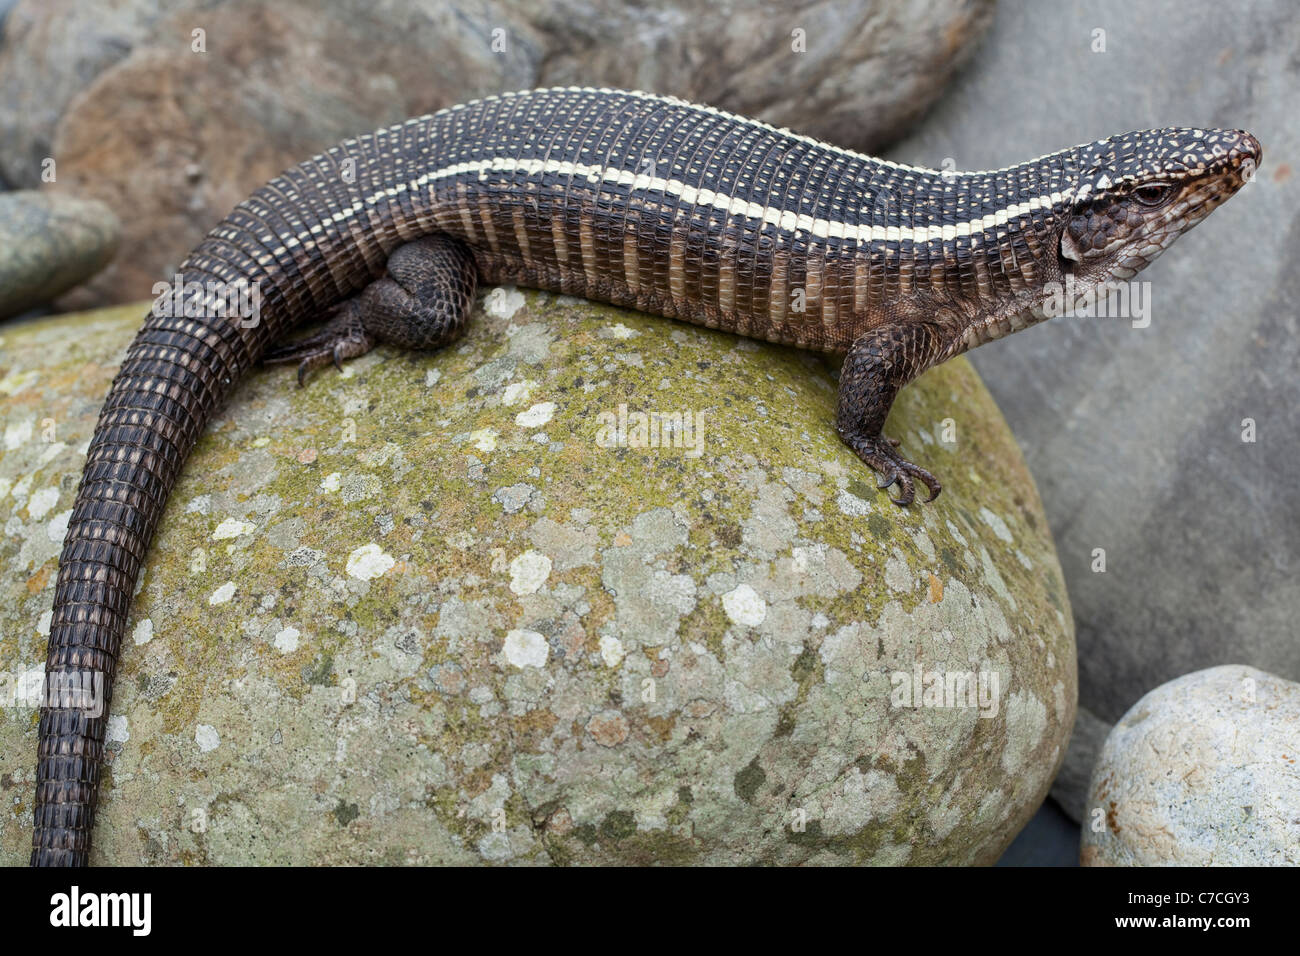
x=176 y=372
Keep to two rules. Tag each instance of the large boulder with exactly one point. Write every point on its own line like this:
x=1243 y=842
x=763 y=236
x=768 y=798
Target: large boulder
x=116 y=97
x=438 y=609
x=1200 y=772
x=1138 y=436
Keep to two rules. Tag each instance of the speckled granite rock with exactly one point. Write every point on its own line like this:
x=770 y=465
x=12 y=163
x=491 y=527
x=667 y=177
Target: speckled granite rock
x=417 y=612
x=1202 y=771
x=48 y=243
x=116 y=93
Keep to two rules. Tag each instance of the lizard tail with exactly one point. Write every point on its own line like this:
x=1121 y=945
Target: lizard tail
x=243 y=288
x=177 y=371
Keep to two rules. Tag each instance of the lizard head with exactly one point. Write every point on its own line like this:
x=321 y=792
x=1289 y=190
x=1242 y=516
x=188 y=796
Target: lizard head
x=1139 y=192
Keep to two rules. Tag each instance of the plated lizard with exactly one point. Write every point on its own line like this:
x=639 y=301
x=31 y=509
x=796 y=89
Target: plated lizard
x=629 y=198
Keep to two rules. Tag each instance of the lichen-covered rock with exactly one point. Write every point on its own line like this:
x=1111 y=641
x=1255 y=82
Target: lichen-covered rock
x=1202 y=771
x=48 y=243
x=449 y=608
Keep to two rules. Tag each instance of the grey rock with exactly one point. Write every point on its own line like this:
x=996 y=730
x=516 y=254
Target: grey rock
x=1201 y=771
x=48 y=244
x=1134 y=436
x=281 y=82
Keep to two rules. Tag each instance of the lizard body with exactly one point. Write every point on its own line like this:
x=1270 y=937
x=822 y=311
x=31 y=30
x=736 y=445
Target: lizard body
x=638 y=200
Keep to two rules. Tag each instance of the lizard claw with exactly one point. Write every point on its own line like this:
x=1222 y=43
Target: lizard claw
x=893 y=469
x=343 y=337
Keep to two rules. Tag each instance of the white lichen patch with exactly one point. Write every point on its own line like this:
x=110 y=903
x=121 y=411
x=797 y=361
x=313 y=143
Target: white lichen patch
x=331 y=482
x=232 y=528
x=514 y=497
x=525 y=648
x=40 y=503
x=358 y=486
x=898 y=575
x=222 y=594
x=956 y=533
x=568 y=545
x=484 y=439
x=57 y=529
x=368 y=562
x=22 y=488
x=924 y=545
x=517 y=392
x=1026 y=722
x=537 y=416
x=852 y=505
x=52 y=451
x=744 y=606
x=503 y=302
x=528 y=572
x=617 y=331
x=861 y=798
x=286 y=640
x=206 y=736
x=143 y=632
x=118 y=731
x=993 y=577
x=997 y=524
x=18 y=434
x=611 y=651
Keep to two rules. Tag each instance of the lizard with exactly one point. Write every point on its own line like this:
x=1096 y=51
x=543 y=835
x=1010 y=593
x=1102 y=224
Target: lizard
x=629 y=198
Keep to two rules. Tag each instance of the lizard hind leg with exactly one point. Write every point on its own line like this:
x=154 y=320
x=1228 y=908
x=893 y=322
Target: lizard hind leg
x=421 y=302
x=876 y=368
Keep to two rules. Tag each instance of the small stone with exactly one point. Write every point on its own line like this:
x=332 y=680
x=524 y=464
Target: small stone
x=1202 y=771
x=50 y=242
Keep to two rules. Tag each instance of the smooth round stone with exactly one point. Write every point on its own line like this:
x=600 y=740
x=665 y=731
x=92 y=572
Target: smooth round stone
x=1201 y=771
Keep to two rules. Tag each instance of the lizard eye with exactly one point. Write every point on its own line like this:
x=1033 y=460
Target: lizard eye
x=1153 y=194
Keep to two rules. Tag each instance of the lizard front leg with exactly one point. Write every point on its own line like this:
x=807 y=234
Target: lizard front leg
x=877 y=366
x=421 y=303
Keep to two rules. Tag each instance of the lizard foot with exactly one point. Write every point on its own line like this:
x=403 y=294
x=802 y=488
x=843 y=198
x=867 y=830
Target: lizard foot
x=892 y=468
x=343 y=337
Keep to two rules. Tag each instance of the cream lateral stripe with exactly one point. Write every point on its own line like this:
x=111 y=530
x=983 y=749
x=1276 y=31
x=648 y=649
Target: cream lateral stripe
x=781 y=218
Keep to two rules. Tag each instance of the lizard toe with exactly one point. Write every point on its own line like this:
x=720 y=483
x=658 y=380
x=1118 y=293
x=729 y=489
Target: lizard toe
x=343 y=337
x=892 y=469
